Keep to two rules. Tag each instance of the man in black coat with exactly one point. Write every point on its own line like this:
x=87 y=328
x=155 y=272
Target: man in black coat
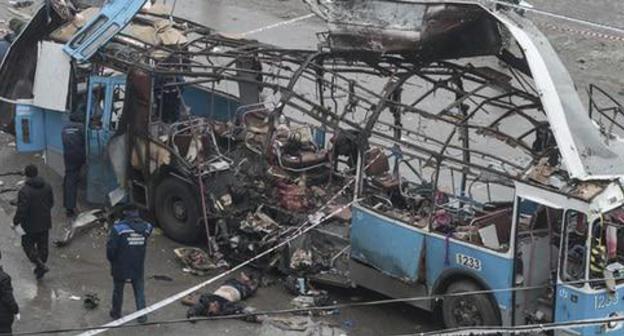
x=8 y=307
x=125 y=250
x=34 y=204
x=74 y=155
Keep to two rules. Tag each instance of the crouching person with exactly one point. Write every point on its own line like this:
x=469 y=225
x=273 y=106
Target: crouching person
x=125 y=251
x=226 y=299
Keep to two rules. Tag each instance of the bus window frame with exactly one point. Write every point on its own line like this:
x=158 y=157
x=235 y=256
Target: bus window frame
x=583 y=281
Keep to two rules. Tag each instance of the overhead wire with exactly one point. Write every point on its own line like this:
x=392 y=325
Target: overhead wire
x=520 y=330
x=291 y=311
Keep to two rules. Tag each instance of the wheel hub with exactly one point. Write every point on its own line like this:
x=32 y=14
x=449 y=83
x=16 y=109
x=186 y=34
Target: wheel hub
x=179 y=210
x=467 y=313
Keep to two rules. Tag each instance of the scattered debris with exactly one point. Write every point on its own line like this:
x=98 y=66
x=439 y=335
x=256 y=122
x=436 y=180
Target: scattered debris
x=307 y=301
x=197 y=261
x=84 y=222
x=162 y=278
x=259 y=222
x=301 y=259
x=21 y=3
x=8 y=190
x=13 y=173
x=91 y=301
x=297 y=326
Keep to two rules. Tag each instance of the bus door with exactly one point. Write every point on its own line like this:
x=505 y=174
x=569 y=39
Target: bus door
x=537 y=251
x=104 y=108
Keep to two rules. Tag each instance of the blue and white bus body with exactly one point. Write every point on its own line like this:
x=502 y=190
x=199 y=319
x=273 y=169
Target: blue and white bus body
x=395 y=250
x=387 y=256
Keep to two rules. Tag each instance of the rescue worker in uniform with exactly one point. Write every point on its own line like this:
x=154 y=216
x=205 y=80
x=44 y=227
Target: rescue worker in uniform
x=125 y=250
x=9 y=309
x=74 y=156
x=34 y=205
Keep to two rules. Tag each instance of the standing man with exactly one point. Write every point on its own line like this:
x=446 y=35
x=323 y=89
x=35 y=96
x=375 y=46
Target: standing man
x=125 y=251
x=34 y=204
x=8 y=307
x=74 y=156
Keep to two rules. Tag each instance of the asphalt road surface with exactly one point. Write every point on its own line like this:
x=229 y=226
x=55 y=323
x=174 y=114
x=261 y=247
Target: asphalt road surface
x=81 y=268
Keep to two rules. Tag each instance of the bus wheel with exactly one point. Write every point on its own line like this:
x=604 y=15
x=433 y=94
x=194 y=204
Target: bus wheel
x=177 y=211
x=469 y=310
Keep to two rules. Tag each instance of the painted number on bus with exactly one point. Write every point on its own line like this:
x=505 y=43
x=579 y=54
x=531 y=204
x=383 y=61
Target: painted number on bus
x=604 y=301
x=468 y=261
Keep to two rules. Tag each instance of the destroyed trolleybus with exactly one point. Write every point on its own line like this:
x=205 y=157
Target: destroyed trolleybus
x=477 y=169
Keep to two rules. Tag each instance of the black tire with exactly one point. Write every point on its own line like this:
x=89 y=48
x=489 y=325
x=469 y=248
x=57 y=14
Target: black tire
x=468 y=311
x=177 y=211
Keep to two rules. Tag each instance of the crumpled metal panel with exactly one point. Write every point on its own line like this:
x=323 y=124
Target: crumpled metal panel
x=431 y=30
x=17 y=81
x=585 y=153
x=113 y=18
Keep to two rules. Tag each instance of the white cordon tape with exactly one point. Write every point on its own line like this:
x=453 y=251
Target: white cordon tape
x=279 y=24
x=182 y=294
x=587 y=33
x=558 y=16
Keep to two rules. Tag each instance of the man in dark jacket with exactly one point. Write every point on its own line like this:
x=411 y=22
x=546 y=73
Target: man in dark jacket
x=34 y=204
x=8 y=307
x=74 y=158
x=125 y=250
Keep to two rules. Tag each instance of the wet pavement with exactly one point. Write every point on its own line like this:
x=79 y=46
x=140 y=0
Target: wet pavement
x=81 y=268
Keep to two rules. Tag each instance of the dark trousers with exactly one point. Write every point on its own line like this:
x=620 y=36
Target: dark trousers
x=36 y=247
x=6 y=328
x=70 y=186
x=118 y=292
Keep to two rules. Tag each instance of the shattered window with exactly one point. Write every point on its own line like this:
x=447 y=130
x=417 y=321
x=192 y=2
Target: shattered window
x=607 y=250
x=575 y=258
x=97 y=107
x=119 y=95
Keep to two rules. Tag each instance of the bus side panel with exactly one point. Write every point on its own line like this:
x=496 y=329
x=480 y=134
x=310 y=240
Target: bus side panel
x=575 y=304
x=391 y=247
x=493 y=270
x=213 y=105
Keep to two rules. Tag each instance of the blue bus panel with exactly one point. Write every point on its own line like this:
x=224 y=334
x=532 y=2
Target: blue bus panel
x=114 y=16
x=29 y=128
x=387 y=245
x=495 y=270
x=212 y=105
x=574 y=304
